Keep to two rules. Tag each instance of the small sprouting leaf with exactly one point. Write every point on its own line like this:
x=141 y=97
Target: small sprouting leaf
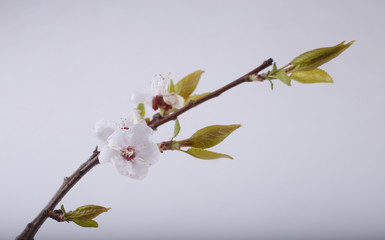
x=62 y=208
x=274 y=67
x=209 y=136
x=204 y=154
x=171 y=86
x=195 y=97
x=89 y=223
x=141 y=109
x=176 y=129
x=313 y=76
x=282 y=75
x=85 y=213
x=271 y=84
x=315 y=58
x=187 y=85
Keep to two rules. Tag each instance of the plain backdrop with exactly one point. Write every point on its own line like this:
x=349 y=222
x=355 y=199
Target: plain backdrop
x=309 y=159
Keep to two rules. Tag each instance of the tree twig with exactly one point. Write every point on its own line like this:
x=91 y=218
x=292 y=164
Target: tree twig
x=32 y=228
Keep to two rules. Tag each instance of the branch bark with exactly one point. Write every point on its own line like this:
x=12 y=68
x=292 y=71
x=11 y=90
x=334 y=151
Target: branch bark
x=32 y=228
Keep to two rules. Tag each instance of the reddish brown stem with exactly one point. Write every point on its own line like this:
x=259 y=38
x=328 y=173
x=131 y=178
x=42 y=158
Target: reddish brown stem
x=32 y=228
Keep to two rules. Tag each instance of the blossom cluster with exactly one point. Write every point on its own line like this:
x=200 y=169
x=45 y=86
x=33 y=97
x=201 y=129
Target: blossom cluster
x=128 y=145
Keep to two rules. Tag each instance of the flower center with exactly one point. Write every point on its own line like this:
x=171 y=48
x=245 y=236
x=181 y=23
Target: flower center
x=128 y=153
x=158 y=102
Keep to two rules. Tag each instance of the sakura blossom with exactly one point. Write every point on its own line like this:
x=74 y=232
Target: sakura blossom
x=131 y=151
x=161 y=97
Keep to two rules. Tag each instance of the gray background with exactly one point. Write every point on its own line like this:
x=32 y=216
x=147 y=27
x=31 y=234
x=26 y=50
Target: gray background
x=309 y=159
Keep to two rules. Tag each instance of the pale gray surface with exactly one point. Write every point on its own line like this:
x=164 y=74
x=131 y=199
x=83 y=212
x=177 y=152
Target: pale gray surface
x=309 y=159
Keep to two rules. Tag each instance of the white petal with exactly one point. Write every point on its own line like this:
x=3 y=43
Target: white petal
x=128 y=168
x=174 y=100
x=108 y=154
x=104 y=128
x=147 y=153
x=139 y=134
x=139 y=172
x=123 y=166
x=142 y=98
x=119 y=139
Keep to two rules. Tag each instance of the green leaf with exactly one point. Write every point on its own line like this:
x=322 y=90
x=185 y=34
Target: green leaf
x=141 y=109
x=315 y=58
x=63 y=210
x=204 y=154
x=274 y=67
x=171 y=87
x=176 y=129
x=282 y=75
x=89 y=223
x=195 y=97
x=209 y=136
x=313 y=76
x=85 y=213
x=187 y=85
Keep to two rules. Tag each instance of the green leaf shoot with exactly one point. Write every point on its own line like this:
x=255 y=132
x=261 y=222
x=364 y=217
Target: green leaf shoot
x=187 y=85
x=141 y=109
x=205 y=154
x=171 y=86
x=176 y=129
x=282 y=75
x=315 y=58
x=313 y=76
x=209 y=136
x=88 y=223
x=85 y=213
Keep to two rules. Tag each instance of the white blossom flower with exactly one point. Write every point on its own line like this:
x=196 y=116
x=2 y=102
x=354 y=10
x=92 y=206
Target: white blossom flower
x=131 y=151
x=161 y=97
x=104 y=128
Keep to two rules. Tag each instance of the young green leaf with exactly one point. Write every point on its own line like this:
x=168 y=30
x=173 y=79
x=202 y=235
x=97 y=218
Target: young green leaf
x=171 y=86
x=62 y=209
x=204 y=154
x=315 y=58
x=281 y=75
x=209 y=136
x=187 y=85
x=195 y=97
x=85 y=213
x=313 y=76
x=141 y=109
x=176 y=129
x=89 y=223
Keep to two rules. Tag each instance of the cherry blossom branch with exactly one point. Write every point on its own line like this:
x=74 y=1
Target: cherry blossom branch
x=157 y=121
x=32 y=228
